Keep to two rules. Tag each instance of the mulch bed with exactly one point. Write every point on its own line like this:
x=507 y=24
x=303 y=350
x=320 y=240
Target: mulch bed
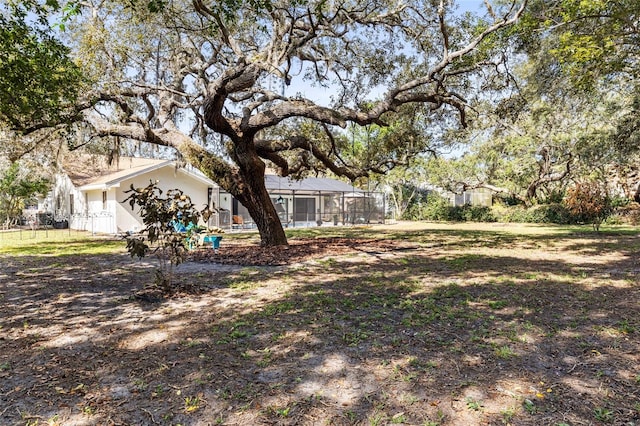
x=298 y=250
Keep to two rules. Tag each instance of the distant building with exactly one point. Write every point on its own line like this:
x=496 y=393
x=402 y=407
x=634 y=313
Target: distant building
x=474 y=197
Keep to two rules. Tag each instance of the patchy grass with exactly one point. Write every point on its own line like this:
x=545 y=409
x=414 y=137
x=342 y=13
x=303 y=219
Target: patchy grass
x=441 y=325
x=56 y=242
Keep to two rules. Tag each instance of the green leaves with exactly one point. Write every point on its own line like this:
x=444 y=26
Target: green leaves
x=228 y=9
x=16 y=188
x=626 y=137
x=589 y=39
x=38 y=80
x=168 y=221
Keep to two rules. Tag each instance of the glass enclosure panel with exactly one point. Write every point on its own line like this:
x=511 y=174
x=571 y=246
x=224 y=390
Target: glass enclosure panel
x=365 y=208
x=331 y=208
x=304 y=209
x=239 y=210
x=224 y=219
x=317 y=208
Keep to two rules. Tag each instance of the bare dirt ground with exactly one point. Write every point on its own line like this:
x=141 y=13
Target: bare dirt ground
x=421 y=325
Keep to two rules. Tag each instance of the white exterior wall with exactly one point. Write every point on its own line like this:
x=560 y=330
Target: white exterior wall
x=113 y=216
x=59 y=200
x=91 y=215
x=168 y=178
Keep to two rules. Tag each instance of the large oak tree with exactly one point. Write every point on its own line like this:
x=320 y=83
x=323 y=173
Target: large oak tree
x=234 y=86
x=587 y=45
x=39 y=82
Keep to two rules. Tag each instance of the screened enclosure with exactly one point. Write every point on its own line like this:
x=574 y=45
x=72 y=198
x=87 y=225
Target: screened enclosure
x=309 y=202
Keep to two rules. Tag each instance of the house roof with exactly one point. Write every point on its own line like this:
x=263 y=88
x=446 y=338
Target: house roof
x=95 y=172
x=276 y=183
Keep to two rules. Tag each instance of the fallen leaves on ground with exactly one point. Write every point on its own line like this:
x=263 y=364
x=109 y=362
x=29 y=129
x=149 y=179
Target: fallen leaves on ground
x=298 y=250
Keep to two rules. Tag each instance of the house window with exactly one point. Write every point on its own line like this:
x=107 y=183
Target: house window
x=210 y=197
x=240 y=210
x=104 y=200
x=71 y=206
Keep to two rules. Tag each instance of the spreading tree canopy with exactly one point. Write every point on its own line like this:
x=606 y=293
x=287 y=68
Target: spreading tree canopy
x=587 y=40
x=234 y=86
x=588 y=46
x=17 y=186
x=573 y=111
x=38 y=80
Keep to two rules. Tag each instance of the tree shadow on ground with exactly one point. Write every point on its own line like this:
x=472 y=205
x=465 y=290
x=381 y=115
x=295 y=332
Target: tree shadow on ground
x=469 y=332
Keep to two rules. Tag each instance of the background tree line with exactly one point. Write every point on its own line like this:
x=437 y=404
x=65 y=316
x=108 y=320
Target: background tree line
x=530 y=99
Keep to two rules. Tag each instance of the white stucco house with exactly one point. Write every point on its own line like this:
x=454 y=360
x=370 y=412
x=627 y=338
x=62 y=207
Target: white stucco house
x=89 y=194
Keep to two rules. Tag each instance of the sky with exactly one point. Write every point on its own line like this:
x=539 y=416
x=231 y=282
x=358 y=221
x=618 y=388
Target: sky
x=322 y=95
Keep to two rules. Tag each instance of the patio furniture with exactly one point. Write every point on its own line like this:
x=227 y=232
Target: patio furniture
x=237 y=222
x=213 y=239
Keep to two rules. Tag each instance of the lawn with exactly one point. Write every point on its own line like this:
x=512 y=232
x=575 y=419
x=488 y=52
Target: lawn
x=418 y=324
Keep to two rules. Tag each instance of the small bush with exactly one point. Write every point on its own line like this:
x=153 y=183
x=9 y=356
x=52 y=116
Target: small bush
x=438 y=208
x=510 y=213
x=471 y=213
x=621 y=202
x=627 y=213
x=435 y=208
x=161 y=236
x=551 y=213
x=542 y=213
x=588 y=202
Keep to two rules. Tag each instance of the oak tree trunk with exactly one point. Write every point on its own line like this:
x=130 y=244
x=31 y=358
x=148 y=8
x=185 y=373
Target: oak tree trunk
x=254 y=196
x=261 y=209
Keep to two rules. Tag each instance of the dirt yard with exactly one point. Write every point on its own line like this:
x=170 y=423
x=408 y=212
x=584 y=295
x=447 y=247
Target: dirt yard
x=418 y=324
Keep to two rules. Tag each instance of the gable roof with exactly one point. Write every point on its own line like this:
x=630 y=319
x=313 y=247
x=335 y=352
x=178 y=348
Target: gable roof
x=95 y=172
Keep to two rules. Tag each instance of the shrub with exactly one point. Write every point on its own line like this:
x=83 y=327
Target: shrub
x=435 y=208
x=162 y=235
x=438 y=208
x=551 y=213
x=542 y=213
x=626 y=213
x=474 y=213
x=588 y=202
